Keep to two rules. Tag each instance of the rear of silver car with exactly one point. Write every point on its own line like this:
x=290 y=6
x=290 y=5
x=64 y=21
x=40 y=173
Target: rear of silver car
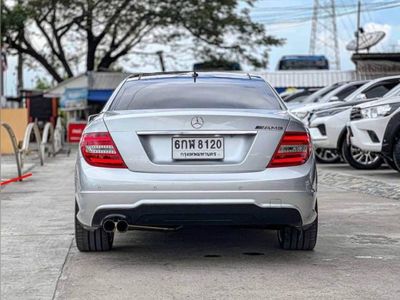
x=174 y=166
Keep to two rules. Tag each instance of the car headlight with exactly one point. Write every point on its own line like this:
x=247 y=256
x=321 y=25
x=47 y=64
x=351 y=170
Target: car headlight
x=301 y=114
x=329 y=112
x=379 y=111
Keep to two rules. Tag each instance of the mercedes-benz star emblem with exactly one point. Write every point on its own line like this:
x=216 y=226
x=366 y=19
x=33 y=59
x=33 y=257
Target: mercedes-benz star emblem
x=197 y=122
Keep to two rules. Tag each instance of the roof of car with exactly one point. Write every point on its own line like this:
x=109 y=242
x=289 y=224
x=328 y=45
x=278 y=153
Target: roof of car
x=357 y=82
x=192 y=74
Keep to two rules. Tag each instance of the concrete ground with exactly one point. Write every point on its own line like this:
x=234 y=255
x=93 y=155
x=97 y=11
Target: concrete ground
x=357 y=255
x=9 y=168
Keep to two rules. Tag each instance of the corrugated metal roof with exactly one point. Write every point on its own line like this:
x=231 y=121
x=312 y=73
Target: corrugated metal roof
x=105 y=80
x=286 y=79
x=79 y=81
x=90 y=80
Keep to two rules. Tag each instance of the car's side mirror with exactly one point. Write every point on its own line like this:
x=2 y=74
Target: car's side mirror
x=334 y=99
x=361 y=97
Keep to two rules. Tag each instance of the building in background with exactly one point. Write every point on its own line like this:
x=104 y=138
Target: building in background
x=376 y=65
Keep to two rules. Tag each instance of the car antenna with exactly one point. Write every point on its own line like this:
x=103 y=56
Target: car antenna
x=195 y=75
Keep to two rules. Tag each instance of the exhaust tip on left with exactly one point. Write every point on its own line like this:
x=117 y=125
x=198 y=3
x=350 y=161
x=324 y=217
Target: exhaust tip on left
x=109 y=226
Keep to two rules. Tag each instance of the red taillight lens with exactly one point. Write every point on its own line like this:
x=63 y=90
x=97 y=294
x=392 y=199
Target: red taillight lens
x=293 y=150
x=99 y=150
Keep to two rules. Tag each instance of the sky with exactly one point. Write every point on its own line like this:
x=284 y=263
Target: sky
x=298 y=35
x=274 y=14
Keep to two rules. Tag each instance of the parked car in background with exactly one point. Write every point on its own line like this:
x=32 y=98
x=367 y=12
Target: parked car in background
x=333 y=97
x=375 y=127
x=342 y=92
x=299 y=96
x=315 y=97
x=328 y=127
x=375 y=89
x=391 y=142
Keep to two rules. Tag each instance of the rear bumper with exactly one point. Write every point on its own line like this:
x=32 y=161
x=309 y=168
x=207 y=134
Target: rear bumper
x=206 y=214
x=277 y=196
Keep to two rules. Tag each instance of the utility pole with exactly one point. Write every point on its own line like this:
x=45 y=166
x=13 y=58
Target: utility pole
x=160 y=55
x=3 y=68
x=314 y=27
x=324 y=37
x=20 y=66
x=2 y=71
x=335 y=34
x=161 y=58
x=358 y=26
x=20 y=74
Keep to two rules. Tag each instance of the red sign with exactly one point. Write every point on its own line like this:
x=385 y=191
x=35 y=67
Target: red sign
x=75 y=130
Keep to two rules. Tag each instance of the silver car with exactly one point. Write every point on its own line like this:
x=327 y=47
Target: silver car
x=170 y=150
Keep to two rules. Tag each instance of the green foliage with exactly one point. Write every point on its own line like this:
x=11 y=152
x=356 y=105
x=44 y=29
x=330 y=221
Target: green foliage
x=100 y=32
x=13 y=19
x=42 y=84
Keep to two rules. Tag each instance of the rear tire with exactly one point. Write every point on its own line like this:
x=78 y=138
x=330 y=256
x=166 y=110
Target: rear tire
x=91 y=240
x=396 y=154
x=359 y=159
x=291 y=238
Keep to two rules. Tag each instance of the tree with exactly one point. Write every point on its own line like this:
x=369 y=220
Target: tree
x=103 y=31
x=41 y=84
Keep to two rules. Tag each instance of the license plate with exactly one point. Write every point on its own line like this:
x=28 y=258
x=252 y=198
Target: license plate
x=197 y=148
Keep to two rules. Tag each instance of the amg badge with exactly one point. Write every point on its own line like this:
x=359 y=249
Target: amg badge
x=269 y=127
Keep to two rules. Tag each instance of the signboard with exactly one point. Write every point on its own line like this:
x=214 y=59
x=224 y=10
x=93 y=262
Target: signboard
x=74 y=131
x=74 y=98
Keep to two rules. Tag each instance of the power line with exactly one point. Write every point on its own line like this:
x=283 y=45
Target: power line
x=297 y=14
x=348 y=25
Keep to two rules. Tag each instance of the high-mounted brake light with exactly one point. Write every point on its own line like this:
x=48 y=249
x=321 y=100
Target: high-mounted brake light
x=99 y=150
x=293 y=150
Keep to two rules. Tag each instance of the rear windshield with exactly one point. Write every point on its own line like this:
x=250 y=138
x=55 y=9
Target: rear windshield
x=181 y=93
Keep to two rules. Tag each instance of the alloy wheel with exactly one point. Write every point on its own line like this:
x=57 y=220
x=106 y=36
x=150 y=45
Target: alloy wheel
x=364 y=157
x=327 y=155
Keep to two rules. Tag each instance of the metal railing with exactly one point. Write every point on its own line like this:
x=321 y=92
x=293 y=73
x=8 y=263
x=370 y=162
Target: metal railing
x=14 y=143
x=48 y=140
x=32 y=127
x=44 y=142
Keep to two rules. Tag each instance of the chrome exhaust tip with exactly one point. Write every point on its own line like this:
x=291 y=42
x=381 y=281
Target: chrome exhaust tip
x=109 y=225
x=122 y=226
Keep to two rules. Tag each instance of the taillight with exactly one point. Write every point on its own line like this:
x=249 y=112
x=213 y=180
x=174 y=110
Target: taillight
x=99 y=150
x=293 y=150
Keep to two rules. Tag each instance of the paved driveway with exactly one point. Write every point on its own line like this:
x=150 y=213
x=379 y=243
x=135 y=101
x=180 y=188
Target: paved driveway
x=357 y=254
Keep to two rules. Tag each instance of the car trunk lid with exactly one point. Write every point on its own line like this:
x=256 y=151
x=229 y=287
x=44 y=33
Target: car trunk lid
x=168 y=141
